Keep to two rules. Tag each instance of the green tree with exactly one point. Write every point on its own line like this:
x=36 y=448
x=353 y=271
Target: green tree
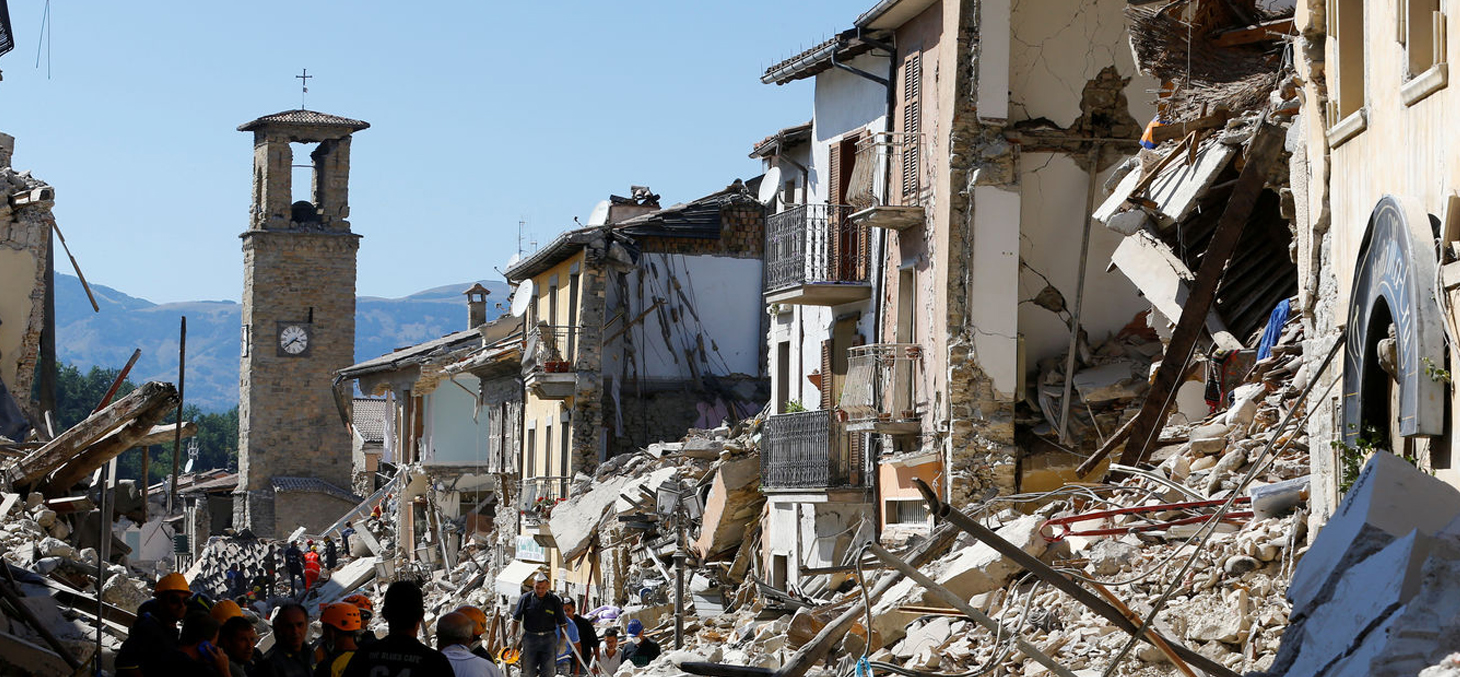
x=77 y=394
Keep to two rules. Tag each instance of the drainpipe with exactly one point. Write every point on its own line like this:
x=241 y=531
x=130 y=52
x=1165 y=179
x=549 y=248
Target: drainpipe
x=879 y=301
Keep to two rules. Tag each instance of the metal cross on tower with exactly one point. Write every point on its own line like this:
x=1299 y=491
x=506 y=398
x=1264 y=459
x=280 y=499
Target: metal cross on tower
x=303 y=78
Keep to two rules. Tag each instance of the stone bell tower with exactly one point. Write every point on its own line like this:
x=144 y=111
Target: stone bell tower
x=298 y=328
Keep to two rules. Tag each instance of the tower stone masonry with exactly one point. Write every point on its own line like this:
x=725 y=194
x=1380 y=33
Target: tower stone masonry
x=298 y=328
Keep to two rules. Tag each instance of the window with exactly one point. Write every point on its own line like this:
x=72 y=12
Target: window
x=547 y=448
x=907 y=301
x=565 y=454
x=1421 y=30
x=907 y=512
x=1346 y=88
x=572 y=354
x=529 y=470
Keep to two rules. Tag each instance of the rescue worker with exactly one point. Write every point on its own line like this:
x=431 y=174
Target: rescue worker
x=640 y=649
x=400 y=654
x=288 y=657
x=339 y=622
x=478 y=628
x=331 y=556
x=154 y=635
x=195 y=654
x=294 y=563
x=587 y=637
x=311 y=566
x=540 y=613
x=237 y=638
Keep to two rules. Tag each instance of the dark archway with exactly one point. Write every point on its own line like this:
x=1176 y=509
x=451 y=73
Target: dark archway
x=1394 y=284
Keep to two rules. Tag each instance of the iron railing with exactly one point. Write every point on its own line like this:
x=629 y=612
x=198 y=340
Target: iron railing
x=814 y=243
x=891 y=159
x=549 y=349
x=803 y=450
x=882 y=382
x=539 y=496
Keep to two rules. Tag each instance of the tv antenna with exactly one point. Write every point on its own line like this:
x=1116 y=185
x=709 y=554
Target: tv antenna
x=520 y=224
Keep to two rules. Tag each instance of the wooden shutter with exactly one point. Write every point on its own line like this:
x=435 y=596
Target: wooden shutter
x=827 y=378
x=912 y=84
x=833 y=197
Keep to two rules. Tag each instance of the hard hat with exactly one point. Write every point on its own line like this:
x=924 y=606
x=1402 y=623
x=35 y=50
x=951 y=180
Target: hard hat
x=224 y=610
x=173 y=582
x=509 y=656
x=478 y=619
x=360 y=601
x=341 y=616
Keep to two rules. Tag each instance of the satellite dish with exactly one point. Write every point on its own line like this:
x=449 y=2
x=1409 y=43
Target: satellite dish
x=769 y=185
x=600 y=214
x=521 y=298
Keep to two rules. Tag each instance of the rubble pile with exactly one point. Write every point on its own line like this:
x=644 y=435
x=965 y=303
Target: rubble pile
x=1130 y=537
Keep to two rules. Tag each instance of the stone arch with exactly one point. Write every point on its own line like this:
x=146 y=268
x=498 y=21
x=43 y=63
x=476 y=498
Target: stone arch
x=1394 y=277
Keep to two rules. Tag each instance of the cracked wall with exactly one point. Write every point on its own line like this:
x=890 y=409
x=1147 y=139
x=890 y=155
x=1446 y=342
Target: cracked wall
x=25 y=229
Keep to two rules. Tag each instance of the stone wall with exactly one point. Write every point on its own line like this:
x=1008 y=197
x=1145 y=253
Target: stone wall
x=25 y=234
x=313 y=511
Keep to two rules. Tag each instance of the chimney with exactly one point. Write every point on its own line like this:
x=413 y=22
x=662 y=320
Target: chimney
x=476 y=306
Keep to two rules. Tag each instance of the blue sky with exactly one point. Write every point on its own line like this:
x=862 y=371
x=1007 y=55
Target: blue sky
x=482 y=114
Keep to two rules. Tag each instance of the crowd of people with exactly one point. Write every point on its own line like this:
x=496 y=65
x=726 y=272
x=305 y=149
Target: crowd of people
x=178 y=632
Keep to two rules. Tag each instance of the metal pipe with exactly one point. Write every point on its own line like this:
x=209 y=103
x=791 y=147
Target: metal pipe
x=182 y=350
x=971 y=526
x=968 y=610
x=1064 y=431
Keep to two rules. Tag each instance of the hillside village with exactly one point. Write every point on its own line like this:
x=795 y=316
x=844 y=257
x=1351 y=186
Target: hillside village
x=1114 y=344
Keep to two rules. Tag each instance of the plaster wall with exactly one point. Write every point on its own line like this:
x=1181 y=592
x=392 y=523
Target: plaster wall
x=541 y=414
x=1051 y=60
x=896 y=482
x=844 y=103
x=18 y=274
x=1052 y=213
x=993 y=310
x=456 y=430
x=723 y=315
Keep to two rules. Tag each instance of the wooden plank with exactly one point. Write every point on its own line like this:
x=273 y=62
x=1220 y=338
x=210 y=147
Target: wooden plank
x=81 y=602
x=34 y=466
x=1267 y=144
x=111 y=446
x=1270 y=30
x=166 y=432
x=1178 y=130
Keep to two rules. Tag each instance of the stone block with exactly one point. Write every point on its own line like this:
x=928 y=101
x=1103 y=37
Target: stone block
x=1390 y=498
x=979 y=568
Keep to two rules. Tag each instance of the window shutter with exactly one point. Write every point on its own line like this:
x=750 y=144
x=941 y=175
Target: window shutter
x=826 y=375
x=834 y=174
x=912 y=82
x=833 y=198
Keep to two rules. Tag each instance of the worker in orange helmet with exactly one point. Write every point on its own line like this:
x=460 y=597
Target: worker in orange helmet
x=153 y=637
x=478 y=628
x=339 y=623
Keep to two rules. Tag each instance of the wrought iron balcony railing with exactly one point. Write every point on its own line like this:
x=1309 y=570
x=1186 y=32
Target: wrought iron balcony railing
x=815 y=244
x=882 y=387
x=804 y=451
x=549 y=349
x=539 y=496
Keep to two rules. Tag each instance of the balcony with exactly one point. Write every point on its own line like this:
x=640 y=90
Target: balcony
x=804 y=451
x=815 y=256
x=538 y=498
x=897 y=158
x=881 y=393
x=547 y=367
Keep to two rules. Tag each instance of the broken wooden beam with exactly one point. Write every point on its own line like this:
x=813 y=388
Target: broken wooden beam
x=1268 y=30
x=820 y=645
x=92 y=457
x=1266 y=145
x=165 y=433
x=1061 y=582
x=1177 y=130
x=54 y=454
x=999 y=629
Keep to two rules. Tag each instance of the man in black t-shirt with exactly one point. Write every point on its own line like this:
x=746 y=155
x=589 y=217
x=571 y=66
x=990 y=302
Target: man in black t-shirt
x=540 y=613
x=587 y=635
x=400 y=654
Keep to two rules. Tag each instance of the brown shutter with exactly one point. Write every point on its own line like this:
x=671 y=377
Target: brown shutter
x=834 y=174
x=827 y=378
x=833 y=198
x=912 y=81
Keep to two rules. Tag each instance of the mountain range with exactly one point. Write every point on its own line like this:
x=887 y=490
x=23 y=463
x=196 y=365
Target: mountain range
x=106 y=339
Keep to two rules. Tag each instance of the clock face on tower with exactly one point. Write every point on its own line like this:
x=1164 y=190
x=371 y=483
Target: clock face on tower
x=294 y=339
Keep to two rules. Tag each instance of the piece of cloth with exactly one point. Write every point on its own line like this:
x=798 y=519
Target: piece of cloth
x=279 y=662
x=467 y=664
x=539 y=614
x=1220 y=379
x=607 y=663
x=567 y=637
x=398 y=656
x=1274 y=331
x=334 y=664
x=148 y=643
x=538 y=652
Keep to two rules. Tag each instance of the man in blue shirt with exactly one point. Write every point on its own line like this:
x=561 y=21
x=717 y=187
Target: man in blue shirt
x=540 y=613
x=569 y=645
